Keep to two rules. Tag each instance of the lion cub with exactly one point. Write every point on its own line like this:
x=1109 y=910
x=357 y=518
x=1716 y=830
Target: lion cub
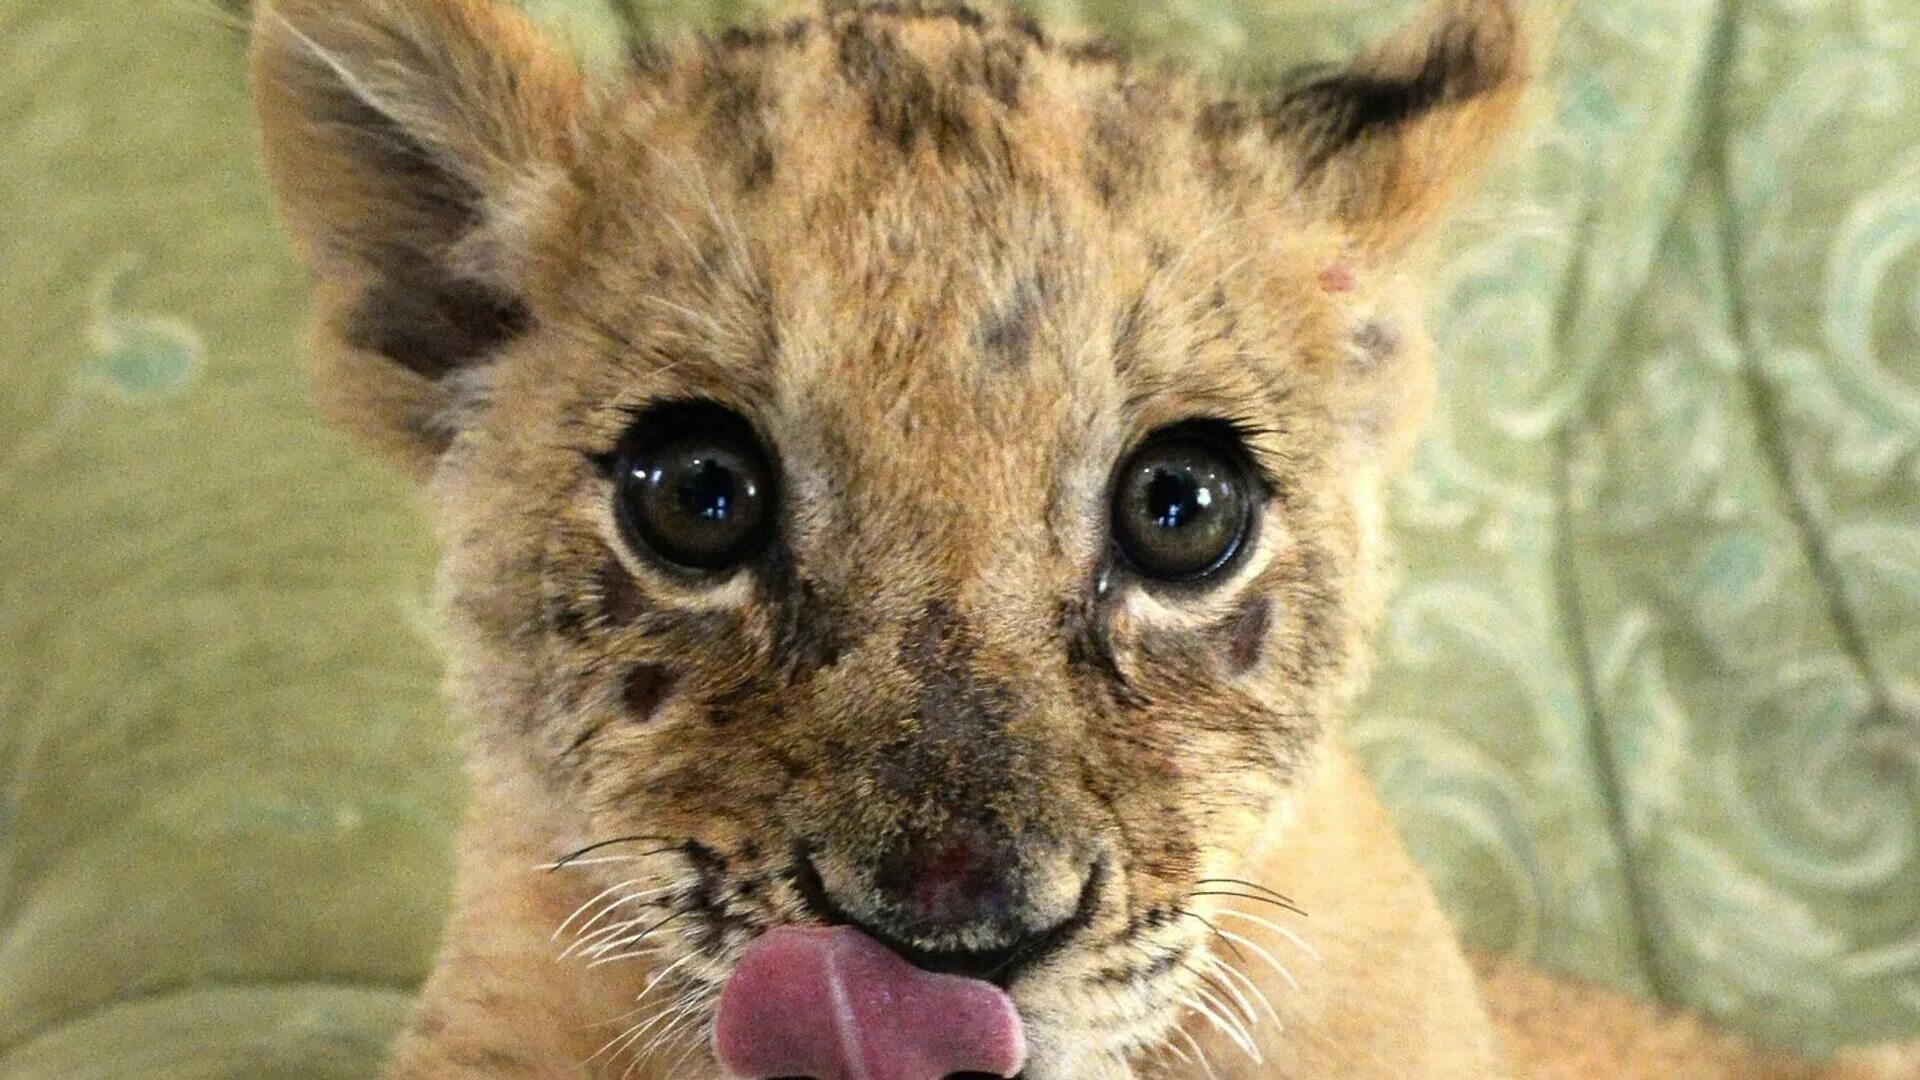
x=911 y=490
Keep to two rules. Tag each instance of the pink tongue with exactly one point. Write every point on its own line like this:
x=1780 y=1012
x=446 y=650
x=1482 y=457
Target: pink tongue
x=837 y=1005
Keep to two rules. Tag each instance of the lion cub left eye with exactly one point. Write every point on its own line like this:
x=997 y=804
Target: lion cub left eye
x=1182 y=506
x=693 y=486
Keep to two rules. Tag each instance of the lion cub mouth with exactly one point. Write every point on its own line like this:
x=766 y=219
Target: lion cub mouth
x=835 y=1004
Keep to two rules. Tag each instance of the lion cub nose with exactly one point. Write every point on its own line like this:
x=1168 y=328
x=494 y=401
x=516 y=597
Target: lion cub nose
x=964 y=900
x=960 y=879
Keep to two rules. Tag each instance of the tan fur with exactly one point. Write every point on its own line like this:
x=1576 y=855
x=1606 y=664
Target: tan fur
x=950 y=268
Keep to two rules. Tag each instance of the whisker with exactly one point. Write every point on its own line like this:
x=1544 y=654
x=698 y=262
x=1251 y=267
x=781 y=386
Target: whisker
x=641 y=936
x=612 y=1045
x=1254 y=989
x=1272 y=961
x=635 y=1033
x=1255 y=897
x=1213 y=978
x=1167 y=1047
x=693 y=1047
x=1255 y=886
x=582 y=909
x=1214 y=1012
x=677 y=843
x=648 y=953
x=663 y=974
x=586 y=934
x=585 y=931
x=1204 y=921
x=601 y=860
x=631 y=1035
x=689 y=1010
x=1276 y=928
x=1205 y=1063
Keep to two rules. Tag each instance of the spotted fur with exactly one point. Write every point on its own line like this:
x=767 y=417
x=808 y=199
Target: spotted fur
x=951 y=267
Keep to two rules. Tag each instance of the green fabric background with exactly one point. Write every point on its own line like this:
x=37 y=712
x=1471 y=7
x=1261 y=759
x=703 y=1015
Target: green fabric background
x=1647 y=703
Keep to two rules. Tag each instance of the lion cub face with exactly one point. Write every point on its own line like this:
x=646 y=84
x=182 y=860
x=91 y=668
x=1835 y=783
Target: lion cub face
x=906 y=471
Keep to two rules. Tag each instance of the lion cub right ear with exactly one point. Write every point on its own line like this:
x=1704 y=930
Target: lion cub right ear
x=420 y=150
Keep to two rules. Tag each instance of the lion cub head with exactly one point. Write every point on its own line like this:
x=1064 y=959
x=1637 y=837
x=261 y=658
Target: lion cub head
x=915 y=473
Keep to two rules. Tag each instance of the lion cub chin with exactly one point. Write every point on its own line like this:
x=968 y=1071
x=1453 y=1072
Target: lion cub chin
x=910 y=486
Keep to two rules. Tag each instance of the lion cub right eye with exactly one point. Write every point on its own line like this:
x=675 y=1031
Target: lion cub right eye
x=693 y=487
x=1183 y=505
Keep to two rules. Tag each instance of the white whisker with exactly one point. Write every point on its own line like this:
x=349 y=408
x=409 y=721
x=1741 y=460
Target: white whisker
x=1208 y=1007
x=1264 y=954
x=598 y=860
x=1253 y=988
x=633 y=1034
x=693 y=1046
x=577 y=912
x=662 y=975
x=1276 y=928
x=688 y=1011
x=610 y=937
x=1233 y=991
x=586 y=940
x=1204 y=1061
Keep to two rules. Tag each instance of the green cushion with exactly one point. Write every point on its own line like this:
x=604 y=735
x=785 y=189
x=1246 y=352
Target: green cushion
x=1647 y=695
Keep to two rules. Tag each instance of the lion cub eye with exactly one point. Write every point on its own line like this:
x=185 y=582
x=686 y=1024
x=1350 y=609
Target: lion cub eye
x=1182 y=506
x=693 y=486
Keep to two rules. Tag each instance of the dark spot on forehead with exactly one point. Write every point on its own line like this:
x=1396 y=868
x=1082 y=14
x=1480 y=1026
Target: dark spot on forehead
x=1220 y=120
x=1003 y=66
x=756 y=166
x=904 y=103
x=1029 y=27
x=1005 y=336
x=1095 y=50
x=736 y=103
x=1127 y=329
x=738 y=38
x=962 y=14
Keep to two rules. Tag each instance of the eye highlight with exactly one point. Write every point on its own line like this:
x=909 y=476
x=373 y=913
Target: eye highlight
x=1182 y=505
x=693 y=487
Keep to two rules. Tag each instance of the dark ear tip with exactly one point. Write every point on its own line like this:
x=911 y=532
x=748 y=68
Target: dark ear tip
x=1481 y=46
x=1465 y=51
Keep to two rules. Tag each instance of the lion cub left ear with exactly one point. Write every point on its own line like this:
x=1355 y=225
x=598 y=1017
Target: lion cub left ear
x=1381 y=146
x=420 y=150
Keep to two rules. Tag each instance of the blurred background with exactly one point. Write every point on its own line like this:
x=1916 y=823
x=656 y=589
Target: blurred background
x=1648 y=701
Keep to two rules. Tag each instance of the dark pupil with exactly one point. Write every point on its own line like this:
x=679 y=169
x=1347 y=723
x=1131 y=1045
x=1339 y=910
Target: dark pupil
x=1176 y=499
x=700 y=503
x=708 y=490
x=1181 y=510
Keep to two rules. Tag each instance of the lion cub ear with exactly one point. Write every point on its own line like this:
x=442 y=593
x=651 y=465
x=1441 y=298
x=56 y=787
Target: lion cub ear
x=1382 y=145
x=419 y=150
